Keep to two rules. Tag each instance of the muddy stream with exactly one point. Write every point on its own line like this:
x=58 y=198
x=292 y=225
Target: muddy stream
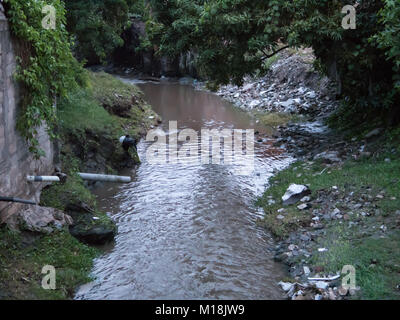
x=188 y=231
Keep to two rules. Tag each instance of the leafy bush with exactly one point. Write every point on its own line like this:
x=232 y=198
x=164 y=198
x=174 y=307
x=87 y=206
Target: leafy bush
x=46 y=67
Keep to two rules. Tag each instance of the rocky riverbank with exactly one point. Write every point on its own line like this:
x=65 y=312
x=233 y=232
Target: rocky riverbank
x=346 y=212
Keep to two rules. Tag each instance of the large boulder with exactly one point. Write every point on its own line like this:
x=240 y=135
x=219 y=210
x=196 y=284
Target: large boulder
x=88 y=227
x=295 y=193
x=42 y=219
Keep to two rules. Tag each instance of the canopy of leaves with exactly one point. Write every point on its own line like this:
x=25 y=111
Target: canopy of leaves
x=233 y=37
x=98 y=24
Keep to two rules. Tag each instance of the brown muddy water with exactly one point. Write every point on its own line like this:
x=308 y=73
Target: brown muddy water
x=188 y=231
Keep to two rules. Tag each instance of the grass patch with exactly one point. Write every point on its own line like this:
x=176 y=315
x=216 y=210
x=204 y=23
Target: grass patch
x=376 y=260
x=59 y=195
x=21 y=265
x=375 y=254
x=81 y=111
x=92 y=109
x=109 y=91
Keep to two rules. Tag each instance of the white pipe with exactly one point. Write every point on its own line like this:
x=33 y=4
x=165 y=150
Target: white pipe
x=333 y=278
x=104 y=177
x=43 y=179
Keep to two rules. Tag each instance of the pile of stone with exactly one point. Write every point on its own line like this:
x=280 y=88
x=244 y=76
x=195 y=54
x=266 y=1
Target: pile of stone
x=290 y=86
x=319 y=289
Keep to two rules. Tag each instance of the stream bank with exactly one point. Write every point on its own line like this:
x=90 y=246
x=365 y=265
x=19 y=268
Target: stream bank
x=351 y=216
x=64 y=236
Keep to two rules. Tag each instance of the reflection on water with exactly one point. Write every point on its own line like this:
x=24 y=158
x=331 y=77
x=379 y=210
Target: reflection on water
x=188 y=231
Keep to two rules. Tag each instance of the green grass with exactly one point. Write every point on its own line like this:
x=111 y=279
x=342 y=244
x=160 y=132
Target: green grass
x=109 y=90
x=81 y=111
x=365 y=242
x=376 y=175
x=269 y=62
x=59 y=195
x=21 y=265
x=85 y=109
x=376 y=260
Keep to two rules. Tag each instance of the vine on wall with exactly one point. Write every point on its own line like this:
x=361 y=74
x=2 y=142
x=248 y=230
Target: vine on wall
x=46 y=67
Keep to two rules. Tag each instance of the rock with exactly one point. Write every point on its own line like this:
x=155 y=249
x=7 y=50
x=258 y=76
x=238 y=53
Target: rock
x=373 y=133
x=328 y=157
x=311 y=95
x=43 y=219
x=286 y=286
x=304 y=237
x=343 y=291
x=306 y=199
x=332 y=295
x=318 y=297
x=247 y=87
x=280 y=217
x=294 y=193
x=321 y=285
x=306 y=270
x=287 y=104
x=303 y=206
x=99 y=234
x=254 y=103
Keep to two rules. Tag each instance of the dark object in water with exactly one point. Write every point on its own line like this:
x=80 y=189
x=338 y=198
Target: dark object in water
x=128 y=142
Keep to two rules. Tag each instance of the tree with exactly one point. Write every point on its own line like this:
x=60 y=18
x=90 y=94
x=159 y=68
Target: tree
x=233 y=37
x=97 y=26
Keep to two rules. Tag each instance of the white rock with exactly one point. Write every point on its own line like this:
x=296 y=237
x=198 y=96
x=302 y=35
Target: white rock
x=303 y=206
x=254 y=103
x=280 y=217
x=306 y=199
x=286 y=286
x=294 y=193
x=307 y=270
x=321 y=285
x=287 y=103
x=247 y=87
x=311 y=95
x=322 y=249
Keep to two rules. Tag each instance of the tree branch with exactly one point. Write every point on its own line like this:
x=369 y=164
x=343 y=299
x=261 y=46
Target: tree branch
x=274 y=53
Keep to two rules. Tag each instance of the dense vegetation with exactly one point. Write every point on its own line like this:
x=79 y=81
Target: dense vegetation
x=97 y=25
x=231 y=38
x=46 y=66
x=234 y=37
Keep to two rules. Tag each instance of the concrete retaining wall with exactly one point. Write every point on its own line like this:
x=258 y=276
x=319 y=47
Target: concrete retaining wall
x=15 y=161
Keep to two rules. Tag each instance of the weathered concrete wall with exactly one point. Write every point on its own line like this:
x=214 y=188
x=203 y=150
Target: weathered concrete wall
x=15 y=161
